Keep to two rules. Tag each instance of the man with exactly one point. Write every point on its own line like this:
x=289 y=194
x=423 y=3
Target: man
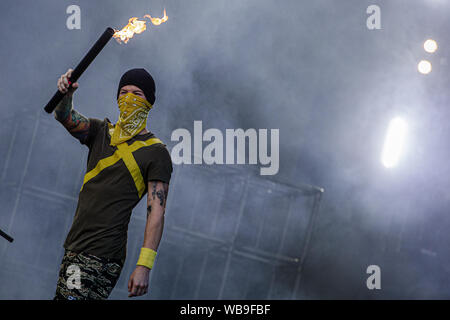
x=125 y=162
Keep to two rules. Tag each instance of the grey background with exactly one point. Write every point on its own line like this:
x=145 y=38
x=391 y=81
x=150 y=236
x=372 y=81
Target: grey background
x=309 y=68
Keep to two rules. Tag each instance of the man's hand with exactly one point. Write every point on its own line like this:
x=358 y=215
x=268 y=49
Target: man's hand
x=138 y=283
x=63 y=84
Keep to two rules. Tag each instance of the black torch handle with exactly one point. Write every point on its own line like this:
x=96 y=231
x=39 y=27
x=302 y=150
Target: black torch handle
x=7 y=237
x=81 y=67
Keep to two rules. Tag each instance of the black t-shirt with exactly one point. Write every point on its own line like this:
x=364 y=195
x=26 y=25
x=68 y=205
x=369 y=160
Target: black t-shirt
x=110 y=191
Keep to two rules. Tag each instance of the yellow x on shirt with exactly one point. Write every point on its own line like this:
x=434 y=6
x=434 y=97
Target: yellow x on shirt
x=124 y=152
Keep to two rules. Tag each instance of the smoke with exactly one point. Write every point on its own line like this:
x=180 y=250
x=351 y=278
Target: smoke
x=309 y=68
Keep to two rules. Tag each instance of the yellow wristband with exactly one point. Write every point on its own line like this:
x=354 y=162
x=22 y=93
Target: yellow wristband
x=146 y=258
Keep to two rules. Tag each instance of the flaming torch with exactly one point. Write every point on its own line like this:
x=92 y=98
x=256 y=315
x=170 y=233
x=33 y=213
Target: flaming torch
x=134 y=26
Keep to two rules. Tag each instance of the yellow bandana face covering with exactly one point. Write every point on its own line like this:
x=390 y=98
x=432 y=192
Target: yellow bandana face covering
x=132 y=118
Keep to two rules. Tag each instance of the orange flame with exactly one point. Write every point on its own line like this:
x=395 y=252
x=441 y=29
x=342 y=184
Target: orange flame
x=136 y=26
x=157 y=21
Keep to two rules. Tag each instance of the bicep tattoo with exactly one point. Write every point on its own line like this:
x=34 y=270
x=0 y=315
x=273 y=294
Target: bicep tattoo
x=159 y=192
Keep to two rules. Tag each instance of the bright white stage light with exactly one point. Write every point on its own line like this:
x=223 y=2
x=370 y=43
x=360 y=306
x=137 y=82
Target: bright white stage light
x=424 y=67
x=393 y=145
x=430 y=46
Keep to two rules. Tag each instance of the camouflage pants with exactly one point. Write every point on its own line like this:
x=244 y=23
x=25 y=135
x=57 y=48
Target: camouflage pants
x=84 y=276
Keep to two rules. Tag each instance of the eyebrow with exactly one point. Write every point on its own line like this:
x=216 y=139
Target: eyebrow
x=140 y=91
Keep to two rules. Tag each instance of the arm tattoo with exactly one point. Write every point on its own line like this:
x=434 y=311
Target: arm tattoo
x=149 y=209
x=160 y=193
x=79 y=126
x=161 y=197
x=62 y=110
x=72 y=120
x=154 y=190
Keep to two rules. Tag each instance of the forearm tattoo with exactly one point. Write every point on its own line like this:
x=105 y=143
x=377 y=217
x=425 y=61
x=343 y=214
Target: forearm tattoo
x=72 y=120
x=78 y=126
x=62 y=110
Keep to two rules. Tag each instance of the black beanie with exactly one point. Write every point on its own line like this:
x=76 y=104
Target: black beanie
x=141 y=79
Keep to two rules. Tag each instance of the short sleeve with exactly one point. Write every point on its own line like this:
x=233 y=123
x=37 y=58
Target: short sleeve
x=160 y=164
x=94 y=128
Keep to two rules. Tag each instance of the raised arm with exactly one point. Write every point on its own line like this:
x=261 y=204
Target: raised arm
x=72 y=120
